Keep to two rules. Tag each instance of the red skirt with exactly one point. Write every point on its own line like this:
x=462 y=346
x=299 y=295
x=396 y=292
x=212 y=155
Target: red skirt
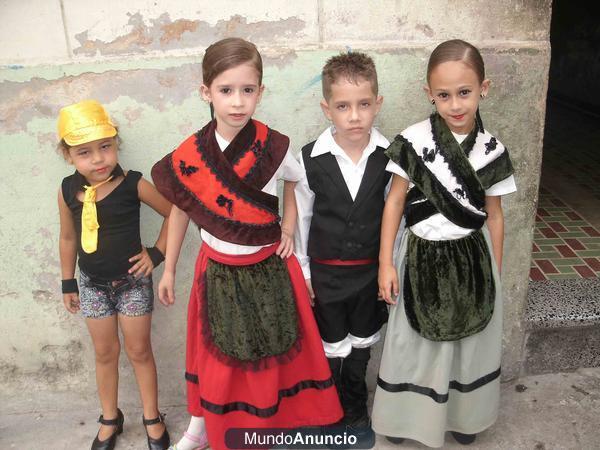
x=299 y=392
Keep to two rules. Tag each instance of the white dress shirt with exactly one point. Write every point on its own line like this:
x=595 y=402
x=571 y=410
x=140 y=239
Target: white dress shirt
x=289 y=170
x=352 y=173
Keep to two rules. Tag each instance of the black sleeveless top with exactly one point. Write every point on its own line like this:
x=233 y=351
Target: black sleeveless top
x=119 y=232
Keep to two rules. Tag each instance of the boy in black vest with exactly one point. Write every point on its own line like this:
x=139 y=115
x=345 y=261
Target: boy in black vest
x=340 y=204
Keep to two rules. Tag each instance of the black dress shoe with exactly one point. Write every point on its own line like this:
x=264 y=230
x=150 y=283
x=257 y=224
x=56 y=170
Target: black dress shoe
x=109 y=444
x=464 y=439
x=395 y=440
x=163 y=442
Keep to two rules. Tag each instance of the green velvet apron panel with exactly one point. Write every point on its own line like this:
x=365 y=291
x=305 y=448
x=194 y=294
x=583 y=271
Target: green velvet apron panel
x=251 y=309
x=449 y=288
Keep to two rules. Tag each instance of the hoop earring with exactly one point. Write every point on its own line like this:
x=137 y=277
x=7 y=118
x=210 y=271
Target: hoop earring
x=432 y=101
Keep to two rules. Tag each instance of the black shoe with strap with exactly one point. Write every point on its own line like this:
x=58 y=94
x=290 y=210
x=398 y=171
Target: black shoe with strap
x=163 y=442
x=462 y=438
x=109 y=444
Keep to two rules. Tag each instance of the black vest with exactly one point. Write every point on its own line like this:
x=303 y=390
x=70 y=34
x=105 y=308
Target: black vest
x=342 y=228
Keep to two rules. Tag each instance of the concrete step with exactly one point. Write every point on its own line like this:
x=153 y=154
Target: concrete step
x=562 y=323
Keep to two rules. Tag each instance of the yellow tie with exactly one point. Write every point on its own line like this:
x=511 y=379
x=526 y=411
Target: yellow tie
x=89 y=218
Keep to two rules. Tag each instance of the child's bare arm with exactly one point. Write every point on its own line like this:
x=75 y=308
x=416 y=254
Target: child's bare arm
x=67 y=248
x=392 y=214
x=178 y=223
x=144 y=262
x=154 y=199
x=495 y=224
x=288 y=221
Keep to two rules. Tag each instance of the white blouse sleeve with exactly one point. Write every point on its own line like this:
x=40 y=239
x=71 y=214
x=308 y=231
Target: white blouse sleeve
x=396 y=169
x=305 y=199
x=506 y=186
x=290 y=169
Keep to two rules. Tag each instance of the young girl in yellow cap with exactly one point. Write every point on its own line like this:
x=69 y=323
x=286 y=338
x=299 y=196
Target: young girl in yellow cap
x=100 y=224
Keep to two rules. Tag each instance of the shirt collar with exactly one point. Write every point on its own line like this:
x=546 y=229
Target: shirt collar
x=326 y=143
x=223 y=143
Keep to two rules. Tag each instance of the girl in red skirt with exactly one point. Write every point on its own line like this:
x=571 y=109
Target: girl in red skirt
x=254 y=355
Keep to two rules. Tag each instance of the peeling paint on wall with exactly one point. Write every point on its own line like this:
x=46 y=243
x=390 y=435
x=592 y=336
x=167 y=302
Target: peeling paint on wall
x=20 y=102
x=164 y=34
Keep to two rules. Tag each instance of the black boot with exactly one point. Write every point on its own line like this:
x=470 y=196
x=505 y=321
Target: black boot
x=355 y=395
x=354 y=387
x=335 y=364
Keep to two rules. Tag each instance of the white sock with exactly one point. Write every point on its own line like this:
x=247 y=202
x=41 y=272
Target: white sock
x=196 y=428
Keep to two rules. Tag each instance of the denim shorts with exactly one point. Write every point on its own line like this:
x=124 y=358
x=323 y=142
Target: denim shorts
x=127 y=296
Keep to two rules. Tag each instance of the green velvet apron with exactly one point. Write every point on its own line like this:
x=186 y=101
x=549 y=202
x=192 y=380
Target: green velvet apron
x=251 y=309
x=448 y=287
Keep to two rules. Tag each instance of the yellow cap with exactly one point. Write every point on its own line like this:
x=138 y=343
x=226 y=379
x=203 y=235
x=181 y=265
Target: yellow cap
x=84 y=122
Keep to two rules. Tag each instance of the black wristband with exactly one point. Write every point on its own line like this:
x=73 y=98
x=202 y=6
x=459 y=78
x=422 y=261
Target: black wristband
x=155 y=255
x=69 y=286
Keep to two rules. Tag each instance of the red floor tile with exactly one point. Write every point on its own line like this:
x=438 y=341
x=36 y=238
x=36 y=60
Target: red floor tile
x=535 y=248
x=546 y=266
x=542 y=212
x=536 y=274
x=556 y=226
x=585 y=271
x=575 y=244
x=557 y=202
x=538 y=218
x=547 y=232
x=573 y=215
x=591 y=231
x=566 y=251
x=594 y=263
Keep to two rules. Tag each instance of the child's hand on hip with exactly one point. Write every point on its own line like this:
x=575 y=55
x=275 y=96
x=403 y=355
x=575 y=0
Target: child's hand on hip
x=286 y=246
x=388 y=284
x=71 y=301
x=143 y=264
x=166 y=289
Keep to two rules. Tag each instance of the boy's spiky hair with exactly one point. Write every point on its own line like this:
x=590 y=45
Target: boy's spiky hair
x=352 y=66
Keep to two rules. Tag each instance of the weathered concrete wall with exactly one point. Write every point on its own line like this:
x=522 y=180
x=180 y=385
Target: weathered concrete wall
x=142 y=61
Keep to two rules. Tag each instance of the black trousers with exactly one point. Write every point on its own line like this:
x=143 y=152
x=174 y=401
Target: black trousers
x=346 y=301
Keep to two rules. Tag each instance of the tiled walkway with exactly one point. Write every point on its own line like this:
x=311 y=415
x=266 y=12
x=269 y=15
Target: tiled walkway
x=565 y=245
x=567 y=237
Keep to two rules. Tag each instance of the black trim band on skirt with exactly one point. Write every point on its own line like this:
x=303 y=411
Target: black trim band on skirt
x=429 y=392
x=271 y=410
x=192 y=378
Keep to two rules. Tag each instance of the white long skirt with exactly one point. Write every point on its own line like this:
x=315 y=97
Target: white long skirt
x=426 y=388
